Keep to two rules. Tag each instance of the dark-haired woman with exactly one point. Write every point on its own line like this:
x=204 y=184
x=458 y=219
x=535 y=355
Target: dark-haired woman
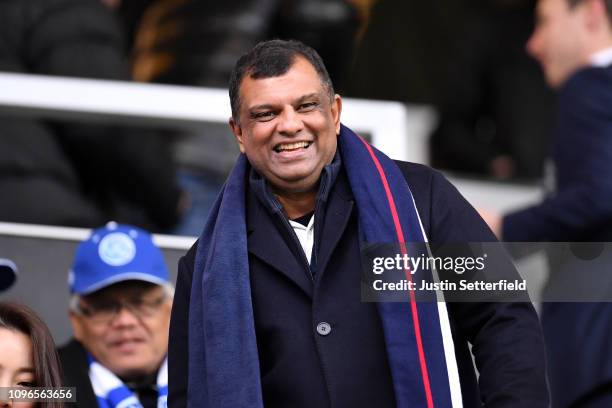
x=28 y=357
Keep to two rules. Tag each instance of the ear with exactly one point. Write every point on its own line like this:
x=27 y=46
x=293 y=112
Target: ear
x=595 y=14
x=237 y=131
x=77 y=325
x=336 y=110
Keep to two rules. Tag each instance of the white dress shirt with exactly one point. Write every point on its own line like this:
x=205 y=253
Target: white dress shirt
x=305 y=235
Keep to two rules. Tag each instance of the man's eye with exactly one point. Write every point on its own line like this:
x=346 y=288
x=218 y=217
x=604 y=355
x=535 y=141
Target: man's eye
x=137 y=302
x=263 y=116
x=305 y=107
x=105 y=306
x=101 y=308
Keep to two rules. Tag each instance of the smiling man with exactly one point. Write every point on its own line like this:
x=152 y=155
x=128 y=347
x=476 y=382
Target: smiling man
x=120 y=313
x=288 y=129
x=268 y=310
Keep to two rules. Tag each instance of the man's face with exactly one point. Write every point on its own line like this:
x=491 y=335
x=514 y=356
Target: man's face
x=288 y=127
x=125 y=327
x=558 y=41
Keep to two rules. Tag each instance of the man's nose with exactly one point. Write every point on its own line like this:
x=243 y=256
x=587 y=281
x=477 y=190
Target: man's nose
x=125 y=317
x=289 y=122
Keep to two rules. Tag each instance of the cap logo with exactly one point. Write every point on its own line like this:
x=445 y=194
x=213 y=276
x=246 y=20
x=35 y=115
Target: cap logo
x=117 y=249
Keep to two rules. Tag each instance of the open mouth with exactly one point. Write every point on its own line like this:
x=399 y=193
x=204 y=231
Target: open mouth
x=290 y=147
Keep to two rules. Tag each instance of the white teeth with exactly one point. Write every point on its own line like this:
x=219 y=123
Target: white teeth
x=291 y=146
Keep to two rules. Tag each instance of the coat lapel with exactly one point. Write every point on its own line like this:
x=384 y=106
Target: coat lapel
x=266 y=242
x=337 y=215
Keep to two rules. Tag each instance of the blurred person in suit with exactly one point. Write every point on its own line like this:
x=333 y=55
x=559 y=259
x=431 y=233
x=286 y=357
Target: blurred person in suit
x=573 y=43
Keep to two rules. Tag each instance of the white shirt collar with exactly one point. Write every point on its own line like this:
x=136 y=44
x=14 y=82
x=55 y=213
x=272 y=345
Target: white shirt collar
x=305 y=234
x=601 y=58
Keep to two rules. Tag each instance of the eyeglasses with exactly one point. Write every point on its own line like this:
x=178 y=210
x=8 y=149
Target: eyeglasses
x=106 y=311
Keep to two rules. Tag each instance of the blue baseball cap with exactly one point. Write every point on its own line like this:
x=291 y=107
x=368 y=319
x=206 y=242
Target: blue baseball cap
x=8 y=273
x=116 y=253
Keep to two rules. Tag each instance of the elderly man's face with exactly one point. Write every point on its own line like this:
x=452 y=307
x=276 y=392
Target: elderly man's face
x=125 y=327
x=288 y=127
x=558 y=41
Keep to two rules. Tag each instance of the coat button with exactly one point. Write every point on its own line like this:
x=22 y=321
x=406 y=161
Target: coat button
x=323 y=328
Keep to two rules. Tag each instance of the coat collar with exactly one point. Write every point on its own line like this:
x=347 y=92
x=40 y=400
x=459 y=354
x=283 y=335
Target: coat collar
x=261 y=188
x=271 y=239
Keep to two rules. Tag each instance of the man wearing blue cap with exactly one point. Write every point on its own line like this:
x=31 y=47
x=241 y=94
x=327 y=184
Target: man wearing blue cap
x=120 y=313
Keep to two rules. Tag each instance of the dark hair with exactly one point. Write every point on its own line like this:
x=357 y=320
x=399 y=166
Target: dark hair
x=607 y=4
x=271 y=59
x=47 y=368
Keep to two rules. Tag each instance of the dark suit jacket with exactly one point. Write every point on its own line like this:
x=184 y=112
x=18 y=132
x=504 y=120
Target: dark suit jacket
x=577 y=334
x=580 y=208
x=349 y=367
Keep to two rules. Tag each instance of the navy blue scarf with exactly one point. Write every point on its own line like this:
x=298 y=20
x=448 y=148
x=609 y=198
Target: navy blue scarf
x=223 y=359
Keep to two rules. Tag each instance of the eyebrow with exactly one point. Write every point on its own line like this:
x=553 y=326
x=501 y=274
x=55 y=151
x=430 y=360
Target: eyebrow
x=261 y=107
x=309 y=96
x=22 y=369
x=296 y=101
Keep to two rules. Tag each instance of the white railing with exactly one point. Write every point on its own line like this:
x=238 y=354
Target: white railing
x=388 y=123
x=11 y=229
x=399 y=130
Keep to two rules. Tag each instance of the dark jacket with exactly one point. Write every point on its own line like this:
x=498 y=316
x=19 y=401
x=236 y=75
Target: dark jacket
x=76 y=368
x=577 y=334
x=73 y=357
x=55 y=172
x=301 y=368
x=579 y=209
